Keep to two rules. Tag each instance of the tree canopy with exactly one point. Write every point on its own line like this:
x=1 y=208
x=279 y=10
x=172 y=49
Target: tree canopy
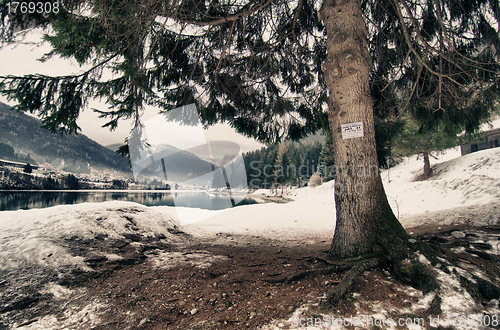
x=255 y=64
x=249 y=63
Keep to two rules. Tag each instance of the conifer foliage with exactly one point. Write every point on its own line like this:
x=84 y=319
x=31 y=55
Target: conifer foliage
x=255 y=64
x=265 y=168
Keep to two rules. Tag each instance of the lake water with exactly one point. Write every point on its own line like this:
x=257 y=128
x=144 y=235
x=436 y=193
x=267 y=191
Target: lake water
x=15 y=200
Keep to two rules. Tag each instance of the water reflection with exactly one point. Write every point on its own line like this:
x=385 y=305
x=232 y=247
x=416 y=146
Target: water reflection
x=15 y=200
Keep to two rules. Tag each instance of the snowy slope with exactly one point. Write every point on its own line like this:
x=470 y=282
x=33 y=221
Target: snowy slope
x=462 y=181
x=469 y=181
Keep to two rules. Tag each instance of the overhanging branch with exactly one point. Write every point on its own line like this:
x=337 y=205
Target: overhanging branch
x=231 y=18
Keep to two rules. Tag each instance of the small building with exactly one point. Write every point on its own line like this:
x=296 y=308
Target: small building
x=487 y=140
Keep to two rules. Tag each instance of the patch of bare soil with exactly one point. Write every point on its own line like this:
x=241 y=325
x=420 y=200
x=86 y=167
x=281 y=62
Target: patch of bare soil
x=230 y=293
x=228 y=282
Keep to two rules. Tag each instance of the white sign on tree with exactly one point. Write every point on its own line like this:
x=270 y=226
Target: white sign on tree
x=352 y=130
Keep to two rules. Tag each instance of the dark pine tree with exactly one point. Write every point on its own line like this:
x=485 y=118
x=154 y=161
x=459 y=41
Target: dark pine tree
x=415 y=140
x=27 y=168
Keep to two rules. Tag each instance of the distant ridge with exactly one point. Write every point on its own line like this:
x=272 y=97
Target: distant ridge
x=181 y=165
x=71 y=153
x=113 y=147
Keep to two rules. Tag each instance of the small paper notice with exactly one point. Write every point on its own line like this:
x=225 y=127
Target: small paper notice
x=352 y=130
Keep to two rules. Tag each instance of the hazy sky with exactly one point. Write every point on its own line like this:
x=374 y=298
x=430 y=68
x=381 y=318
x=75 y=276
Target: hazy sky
x=21 y=59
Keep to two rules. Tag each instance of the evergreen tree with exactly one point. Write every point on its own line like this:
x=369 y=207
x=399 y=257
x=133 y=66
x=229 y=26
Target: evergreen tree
x=270 y=68
x=298 y=161
x=326 y=169
x=72 y=182
x=49 y=183
x=442 y=106
x=27 y=168
x=322 y=170
x=287 y=176
x=312 y=157
x=273 y=164
x=414 y=140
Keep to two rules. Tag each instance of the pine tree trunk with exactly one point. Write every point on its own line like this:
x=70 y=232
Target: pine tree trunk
x=427 y=166
x=365 y=221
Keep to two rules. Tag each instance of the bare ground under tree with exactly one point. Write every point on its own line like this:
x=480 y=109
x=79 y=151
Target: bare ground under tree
x=248 y=285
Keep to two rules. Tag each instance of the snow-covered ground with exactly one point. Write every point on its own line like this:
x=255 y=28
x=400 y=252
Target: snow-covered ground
x=464 y=189
x=467 y=181
x=458 y=181
x=37 y=236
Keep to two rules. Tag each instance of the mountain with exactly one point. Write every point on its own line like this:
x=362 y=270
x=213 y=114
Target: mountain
x=114 y=147
x=71 y=153
x=79 y=154
x=180 y=165
x=200 y=165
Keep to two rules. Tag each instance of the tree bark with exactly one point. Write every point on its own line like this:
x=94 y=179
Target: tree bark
x=365 y=221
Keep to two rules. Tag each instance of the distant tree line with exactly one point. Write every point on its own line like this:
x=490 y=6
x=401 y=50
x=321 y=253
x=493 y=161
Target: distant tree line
x=17 y=180
x=294 y=163
x=14 y=180
x=7 y=152
x=287 y=163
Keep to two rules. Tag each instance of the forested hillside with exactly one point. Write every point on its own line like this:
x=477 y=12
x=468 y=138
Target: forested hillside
x=72 y=153
x=288 y=163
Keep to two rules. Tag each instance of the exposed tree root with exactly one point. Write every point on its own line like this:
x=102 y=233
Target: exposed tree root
x=470 y=287
x=404 y=260
x=413 y=262
x=324 y=271
x=480 y=290
x=435 y=307
x=487 y=289
x=326 y=261
x=335 y=294
x=481 y=254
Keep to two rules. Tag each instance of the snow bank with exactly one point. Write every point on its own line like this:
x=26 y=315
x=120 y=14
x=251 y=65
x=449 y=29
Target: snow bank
x=473 y=179
x=311 y=214
x=41 y=247
x=37 y=236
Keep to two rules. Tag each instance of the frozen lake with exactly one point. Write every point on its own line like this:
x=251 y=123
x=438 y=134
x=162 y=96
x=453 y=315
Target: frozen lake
x=15 y=200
